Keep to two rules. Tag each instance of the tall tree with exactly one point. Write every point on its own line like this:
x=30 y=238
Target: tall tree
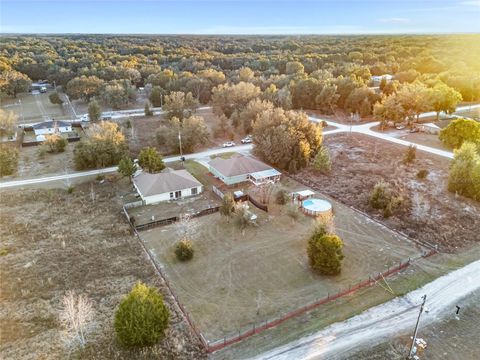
x=283 y=138
x=94 y=111
x=445 y=99
x=13 y=82
x=180 y=105
x=150 y=160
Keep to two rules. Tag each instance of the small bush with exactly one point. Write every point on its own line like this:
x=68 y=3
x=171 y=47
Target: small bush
x=281 y=197
x=322 y=161
x=422 y=174
x=242 y=217
x=141 y=318
x=379 y=197
x=184 y=250
x=3 y=251
x=70 y=189
x=410 y=155
x=55 y=143
x=385 y=198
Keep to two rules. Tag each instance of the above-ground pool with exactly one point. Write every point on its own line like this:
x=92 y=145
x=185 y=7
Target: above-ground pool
x=316 y=206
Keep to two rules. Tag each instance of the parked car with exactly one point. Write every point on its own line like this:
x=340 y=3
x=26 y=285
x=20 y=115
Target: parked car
x=106 y=116
x=43 y=89
x=84 y=117
x=228 y=144
x=247 y=139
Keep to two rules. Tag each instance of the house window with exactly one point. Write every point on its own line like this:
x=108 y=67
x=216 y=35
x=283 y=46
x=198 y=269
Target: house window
x=194 y=191
x=178 y=194
x=171 y=195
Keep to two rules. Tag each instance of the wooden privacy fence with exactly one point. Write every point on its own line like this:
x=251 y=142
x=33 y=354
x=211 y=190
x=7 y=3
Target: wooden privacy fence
x=171 y=220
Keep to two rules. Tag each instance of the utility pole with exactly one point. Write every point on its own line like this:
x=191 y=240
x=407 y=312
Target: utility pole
x=410 y=354
x=180 y=142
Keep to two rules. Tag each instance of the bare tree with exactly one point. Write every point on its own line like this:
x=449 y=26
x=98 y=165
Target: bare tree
x=186 y=226
x=76 y=316
x=265 y=191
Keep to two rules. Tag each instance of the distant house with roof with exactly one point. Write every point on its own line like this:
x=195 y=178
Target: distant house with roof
x=166 y=185
x=51 y=127
x=377 y=79
x=240 y=169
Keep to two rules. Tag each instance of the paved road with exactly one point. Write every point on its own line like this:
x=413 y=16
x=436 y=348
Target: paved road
x=383 y=322
x=78 y=174
x=365 y=129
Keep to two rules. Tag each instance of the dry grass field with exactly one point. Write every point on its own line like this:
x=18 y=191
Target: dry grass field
x=236 y=278
x=35 y=108
x=51 y=242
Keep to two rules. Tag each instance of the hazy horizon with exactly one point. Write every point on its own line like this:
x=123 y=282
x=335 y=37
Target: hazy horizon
x=264 y=17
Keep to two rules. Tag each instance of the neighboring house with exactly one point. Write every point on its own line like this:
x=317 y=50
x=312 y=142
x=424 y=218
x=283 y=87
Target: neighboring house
x=239 y=169
x=166 y=185
x=376 y=79
x=51 y=127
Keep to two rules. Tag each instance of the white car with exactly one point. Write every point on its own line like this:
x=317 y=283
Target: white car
x=247 y=140
x=228 y=144
x=84 y=117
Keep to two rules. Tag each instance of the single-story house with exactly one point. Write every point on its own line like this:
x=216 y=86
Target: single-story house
x=239 y=169
x=377 y=79
x=51 y=127
x=166 y=185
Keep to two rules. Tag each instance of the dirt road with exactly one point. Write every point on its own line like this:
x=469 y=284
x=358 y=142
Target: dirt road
x=384 y=321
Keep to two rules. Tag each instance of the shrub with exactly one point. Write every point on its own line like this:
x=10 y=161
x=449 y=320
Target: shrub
x=422 y=174
x=55 y=143
x=228 y=205
x=141 y=318
x=410 y=155
x=281 y=197
x=325 y=251
x=8 y=160
x=184 y=250
x=322 y=161
x=70 y=189
x=55 y=98
x=384 y=197
x=379 y=197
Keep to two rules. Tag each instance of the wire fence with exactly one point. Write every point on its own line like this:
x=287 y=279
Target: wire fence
x=256 y=328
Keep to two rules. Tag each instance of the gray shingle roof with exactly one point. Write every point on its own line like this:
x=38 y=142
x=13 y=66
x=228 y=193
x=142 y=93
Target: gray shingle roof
x=153 y=184
x=51 y=124
x=238 y=165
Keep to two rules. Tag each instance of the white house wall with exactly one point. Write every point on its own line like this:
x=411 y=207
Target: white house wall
x=47 y=131
x=153 y=199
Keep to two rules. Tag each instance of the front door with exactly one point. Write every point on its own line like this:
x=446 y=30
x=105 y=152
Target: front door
x=178 y=194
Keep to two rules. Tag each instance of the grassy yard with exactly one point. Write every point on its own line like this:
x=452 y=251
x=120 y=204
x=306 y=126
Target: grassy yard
x=261 y=273
x=35 y=108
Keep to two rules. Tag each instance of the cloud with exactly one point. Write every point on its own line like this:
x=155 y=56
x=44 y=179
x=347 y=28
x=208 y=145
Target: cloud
x=394 y=20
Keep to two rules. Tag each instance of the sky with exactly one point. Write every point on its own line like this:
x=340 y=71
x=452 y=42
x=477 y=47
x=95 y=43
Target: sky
x=240 y=16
